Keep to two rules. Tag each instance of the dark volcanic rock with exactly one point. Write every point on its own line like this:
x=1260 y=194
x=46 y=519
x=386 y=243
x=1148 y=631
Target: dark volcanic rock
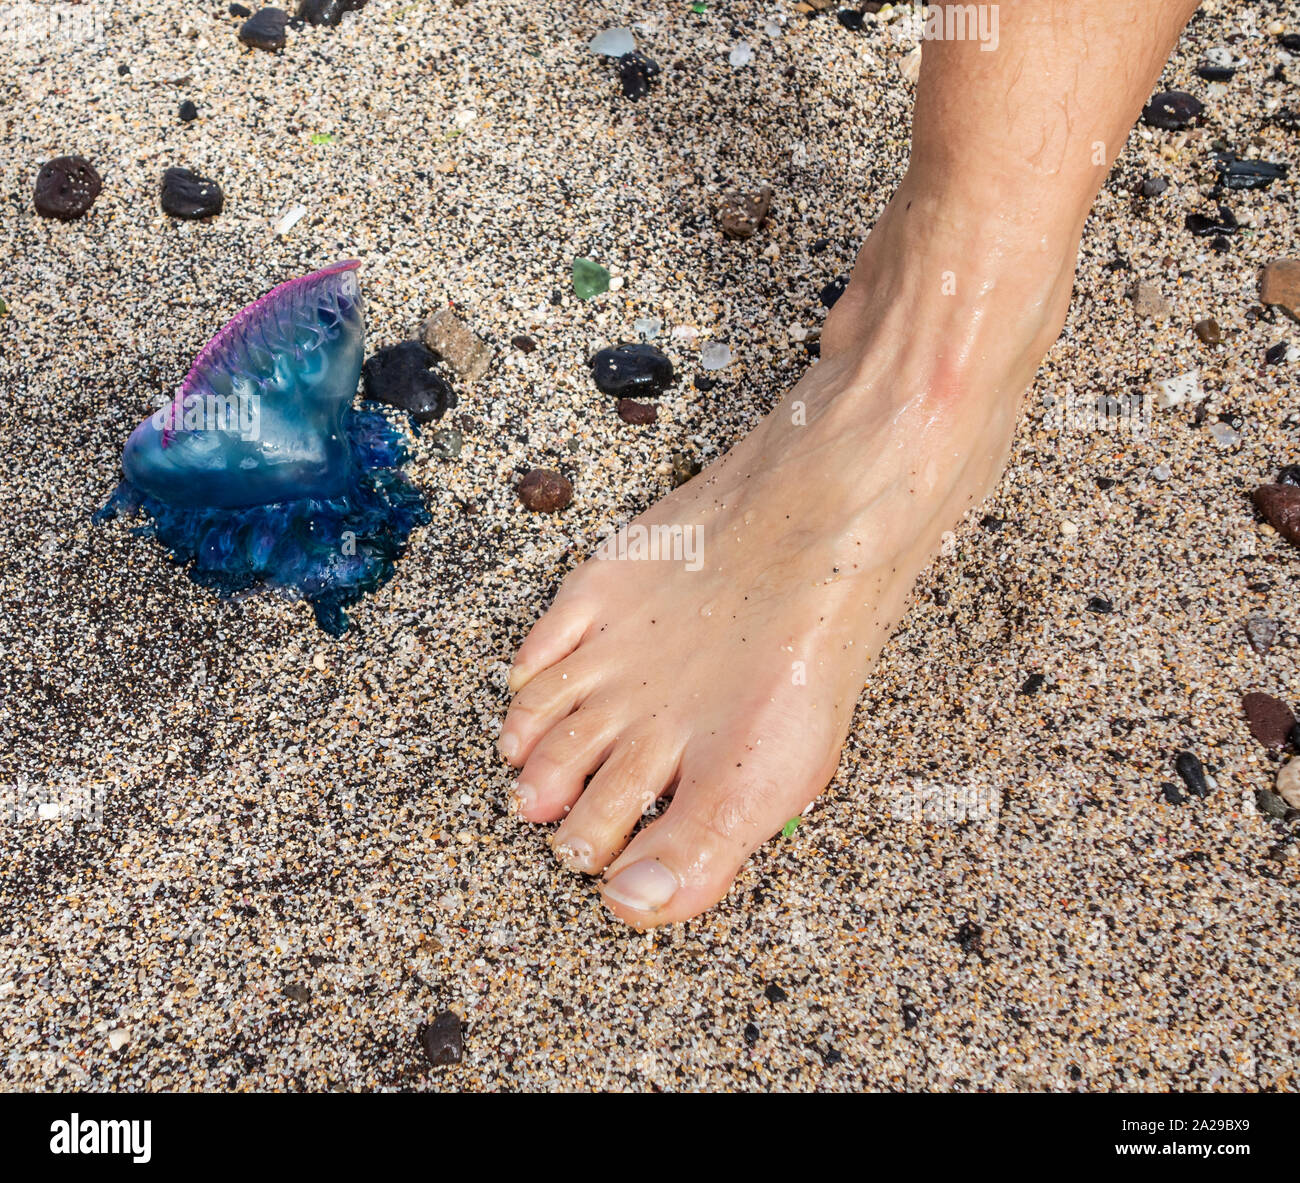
x=1235 y=173
x=1279 y=505
x=402 y=376
x=628 y=370
x=1172 y=110
x=1192 y=774
x=265 y=29
x=66 y=187
x=635 y=72
x=1203 y=226
x=1213 y=73
x=188 y=112
x=545 y=490
x=187 y=195
x=327 y=12
x=1270 y=719
x=833 y=291
x=444 y=1040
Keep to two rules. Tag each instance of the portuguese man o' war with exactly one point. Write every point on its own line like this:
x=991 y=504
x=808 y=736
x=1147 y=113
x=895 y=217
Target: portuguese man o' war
x=260 y=471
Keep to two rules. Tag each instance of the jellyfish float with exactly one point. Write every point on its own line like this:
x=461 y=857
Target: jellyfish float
x=260 y=472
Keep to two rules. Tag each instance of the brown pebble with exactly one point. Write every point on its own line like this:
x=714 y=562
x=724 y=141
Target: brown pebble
x=1149 y=300
x=443 y=1039
x=1279 y=505
x=631 y=411
x=684 y=467
x=545 y=490
x=457 y=344
x=1208 y=331
x=523 y=343
x=66 y=187
x=1270 y=719
x=742 y=214
x=1279 y=283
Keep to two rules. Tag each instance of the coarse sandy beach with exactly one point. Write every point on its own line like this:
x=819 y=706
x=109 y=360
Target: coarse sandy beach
x=242 y=855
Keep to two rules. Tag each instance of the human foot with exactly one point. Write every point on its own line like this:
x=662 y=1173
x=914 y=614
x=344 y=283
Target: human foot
x=730 y=682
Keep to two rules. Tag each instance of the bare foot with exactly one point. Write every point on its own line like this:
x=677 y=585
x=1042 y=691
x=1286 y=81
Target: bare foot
x=732 y=685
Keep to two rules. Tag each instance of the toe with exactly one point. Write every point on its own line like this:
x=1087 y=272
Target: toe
x=636 y=774
x=540 y=705
x=560 y=763
x=686 y=861
x=551 y=640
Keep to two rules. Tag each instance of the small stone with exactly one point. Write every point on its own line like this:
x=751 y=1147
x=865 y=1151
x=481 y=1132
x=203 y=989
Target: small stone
x=402 y=376
x=1032 y=684
x=684 y=468
x=1269 y=803
x=1192 y=774
x=635 y=73
x=446 y=443
x=640 y=414
x=289 y=219
x=118 y=1039
x=265 y=29
x=773 y=993
x=544 y=490
x=614 y=43
x=327 y=12
x=1262 y=633
x=851 y=19
x=523 y=343
x=647 y=327
x=1283 y=852
x=297 y=992
x=1204 y=226
x=1212 y=73
x=833 y=291
x=1172 y=110
x=1289 y=475
x=742 y=214
x=1161 y=472
x=1238 y=174
x=1279 y=283
x=1208 y=332
x=1172 y=392
x=188 y=112
x=66 y=187
x=909 y=65
x=1149 y=301
x=457 y=344
x=589 y=279
x=1100 y=605
x=443 y=1039
x=1171 y=794
x=1225 y=435
x=631 y=369
x=715 y=356
x=1154 y=186
x=188 y=196
x=1279 y=505
x=1275 y=355
x=1270 y=719
x=1288 y=783
x=742 y=54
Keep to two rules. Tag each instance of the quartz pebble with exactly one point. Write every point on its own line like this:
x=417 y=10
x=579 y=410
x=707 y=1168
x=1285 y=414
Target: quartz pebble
x=1262 y=633
x=742 y=54
x=1172 y=392
x=742 y=213
x=715 y=356
x=1270 y=719
x=544 y=491
x=614 y=43
x=647 y=327
x=457 y=344
x=66 y=187
x=188 y=196
x=265 y=29
x=118 y=1039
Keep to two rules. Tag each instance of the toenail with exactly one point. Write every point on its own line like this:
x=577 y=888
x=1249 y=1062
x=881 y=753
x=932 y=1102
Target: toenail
x=646 y=886
x=508 y=745
x=576 y=854
x=525 y=798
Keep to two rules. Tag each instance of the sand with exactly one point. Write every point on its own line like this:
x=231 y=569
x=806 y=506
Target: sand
x=278 y=855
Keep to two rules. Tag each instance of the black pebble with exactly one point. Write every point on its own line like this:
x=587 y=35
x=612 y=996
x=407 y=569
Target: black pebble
x=189 y=196
x=1290 y=475
x=189 y=112
x=1215 y=73
x=1192 y=773
x=1100 y=604
x=773 y=993
x=1172 y=110
x=850 y=19
x=66 y=187
x=752 y=1033
x=1289 y=41
x=992 y=524
x=1172 y=795
x=1104 y=482
x=443 y=1040
x=635 y=72
x=1154 y=186
x=834 y=290
x=631 y=370
x=911 y=1016
x=1237 y=174
x=327 y=12
x=523 y=342
x=402 y=376
x=1293 y=737
x=1032 y=684
x=703 y=383
x=1202 y=225
x=265 y=29
x=970 y=936
x=123 y=70
x=1276 y=353
x=239 y=10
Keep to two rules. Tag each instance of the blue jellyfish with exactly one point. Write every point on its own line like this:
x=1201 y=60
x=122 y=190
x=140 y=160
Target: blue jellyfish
x=260 y=471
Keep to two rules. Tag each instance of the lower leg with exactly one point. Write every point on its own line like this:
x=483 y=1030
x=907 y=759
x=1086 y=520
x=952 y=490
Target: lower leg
x=733 y=686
